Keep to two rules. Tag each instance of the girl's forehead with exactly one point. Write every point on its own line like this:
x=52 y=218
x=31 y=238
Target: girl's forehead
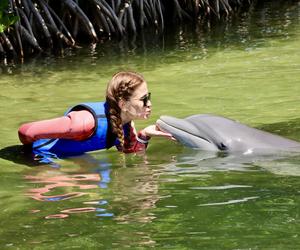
x=140 y=90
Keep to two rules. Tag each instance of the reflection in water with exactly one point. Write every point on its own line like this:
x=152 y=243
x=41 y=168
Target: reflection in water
x=79 y=210
x=197 y=161
x=57 y=216
x=63 y=181
x=133 y=188
x=57 y=182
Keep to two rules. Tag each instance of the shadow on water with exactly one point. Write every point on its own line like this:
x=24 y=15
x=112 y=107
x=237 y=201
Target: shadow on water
x=19 y=154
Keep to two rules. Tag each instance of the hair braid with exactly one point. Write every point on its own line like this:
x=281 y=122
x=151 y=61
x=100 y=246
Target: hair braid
x=120 y=87
x=116 y=121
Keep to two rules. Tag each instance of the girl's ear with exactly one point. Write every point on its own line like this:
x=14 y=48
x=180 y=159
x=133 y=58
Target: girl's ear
x=121 y=104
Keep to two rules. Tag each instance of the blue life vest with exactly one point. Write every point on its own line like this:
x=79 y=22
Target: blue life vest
x=65 y=147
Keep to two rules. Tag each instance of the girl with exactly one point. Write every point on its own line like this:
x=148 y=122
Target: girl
x=99 y=125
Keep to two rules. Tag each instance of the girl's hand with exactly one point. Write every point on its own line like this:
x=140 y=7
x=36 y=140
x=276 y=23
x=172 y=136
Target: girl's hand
x=153 y=130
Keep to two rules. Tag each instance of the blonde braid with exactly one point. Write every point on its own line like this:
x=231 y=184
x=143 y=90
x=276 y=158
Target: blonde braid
x=121 y=87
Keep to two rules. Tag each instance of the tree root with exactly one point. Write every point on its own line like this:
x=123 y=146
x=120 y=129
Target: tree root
x=44 y=25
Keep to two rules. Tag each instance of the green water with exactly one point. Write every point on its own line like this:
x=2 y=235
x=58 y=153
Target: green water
x=171 y=197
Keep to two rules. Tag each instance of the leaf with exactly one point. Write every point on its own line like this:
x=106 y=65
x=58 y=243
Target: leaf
x=2 y=27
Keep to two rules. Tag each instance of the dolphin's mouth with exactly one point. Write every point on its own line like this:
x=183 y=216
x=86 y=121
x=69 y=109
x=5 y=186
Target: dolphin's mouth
x=173 y=126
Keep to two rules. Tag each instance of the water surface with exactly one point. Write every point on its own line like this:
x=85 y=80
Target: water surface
x=171 y=197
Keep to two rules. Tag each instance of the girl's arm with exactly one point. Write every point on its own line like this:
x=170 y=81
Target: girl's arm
x=77 y=125
x=139 y=141
x=135 y=142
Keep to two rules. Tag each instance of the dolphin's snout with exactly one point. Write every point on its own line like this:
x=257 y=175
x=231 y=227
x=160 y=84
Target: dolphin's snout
x=174 y=125
x=161 y=125
x=184 y=132
x=167 y=119
x=165 y=123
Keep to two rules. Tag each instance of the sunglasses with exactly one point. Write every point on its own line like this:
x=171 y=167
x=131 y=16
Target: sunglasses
x=145 y=99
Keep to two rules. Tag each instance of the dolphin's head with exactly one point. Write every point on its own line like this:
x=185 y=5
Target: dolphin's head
x=185 y=132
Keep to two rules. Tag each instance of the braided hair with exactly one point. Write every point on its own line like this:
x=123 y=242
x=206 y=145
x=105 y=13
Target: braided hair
x=120 y=87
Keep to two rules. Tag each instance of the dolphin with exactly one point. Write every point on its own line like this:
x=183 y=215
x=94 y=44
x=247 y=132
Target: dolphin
x=216 y=133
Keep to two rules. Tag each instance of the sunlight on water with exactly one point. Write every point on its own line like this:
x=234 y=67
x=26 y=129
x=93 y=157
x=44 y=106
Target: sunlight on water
x=170 y=197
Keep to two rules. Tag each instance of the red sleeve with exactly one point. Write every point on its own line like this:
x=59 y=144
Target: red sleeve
x=135 y=142
x=77 y=125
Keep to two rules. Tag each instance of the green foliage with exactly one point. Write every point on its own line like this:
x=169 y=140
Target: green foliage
x=6 y=18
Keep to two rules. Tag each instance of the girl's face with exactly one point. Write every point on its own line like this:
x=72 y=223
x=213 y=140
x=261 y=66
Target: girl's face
x=139 y=104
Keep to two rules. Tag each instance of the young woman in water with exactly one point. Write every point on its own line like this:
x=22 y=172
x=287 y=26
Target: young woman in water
x=100 y=125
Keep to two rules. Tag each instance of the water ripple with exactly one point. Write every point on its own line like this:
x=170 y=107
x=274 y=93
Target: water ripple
x=220 y=187
x=229 y=202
